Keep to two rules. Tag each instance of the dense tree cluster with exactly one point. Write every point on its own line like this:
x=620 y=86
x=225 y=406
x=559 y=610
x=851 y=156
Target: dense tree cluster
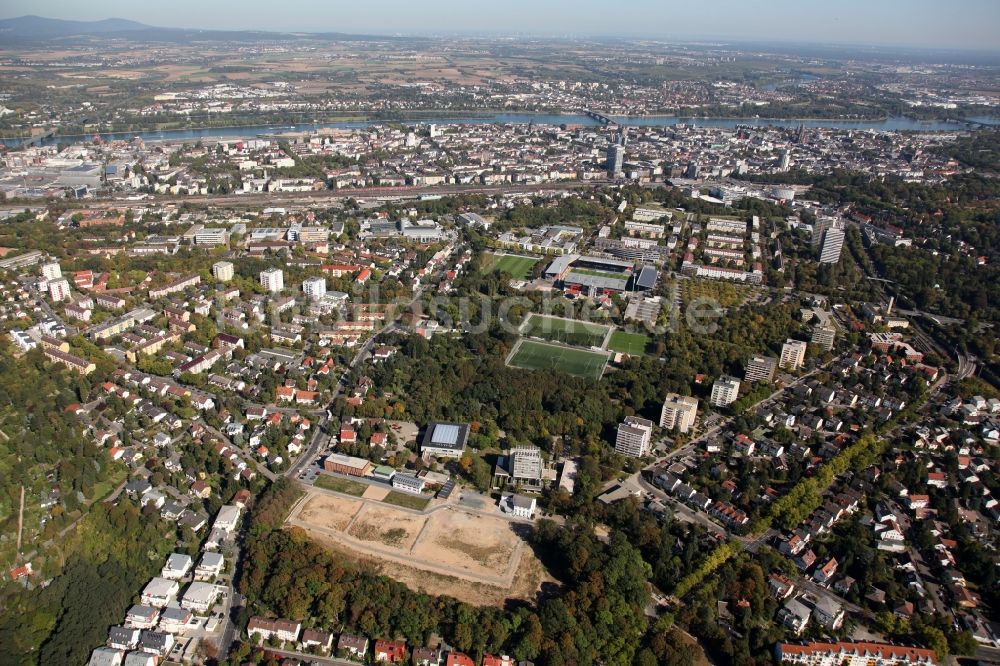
x=114 y=552
x=597 y=616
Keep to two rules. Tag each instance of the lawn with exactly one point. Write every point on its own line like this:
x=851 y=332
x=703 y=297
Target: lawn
x=601 y=274
x=340 y=485
x=629 y=343
x=569 y=331
x=532 y=355
x=406 y=500
x=519 y=267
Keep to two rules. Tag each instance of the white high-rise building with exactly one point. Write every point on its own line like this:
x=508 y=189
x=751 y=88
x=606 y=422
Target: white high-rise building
x=223 y=271
x=793 y=354
x=725 y=391
x=678 y=412
x=51 y=271
x=833 y=244
x=273 y=279
x=824 y=337
x=633 y=437
x=59 y=289
x=761 y=369
x=314 y=288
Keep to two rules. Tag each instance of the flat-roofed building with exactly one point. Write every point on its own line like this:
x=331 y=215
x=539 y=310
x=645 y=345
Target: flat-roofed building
x=824 y=337
x=761 y=369
x=223 y=271
x=793 y=355
x=679 y=412
x=272 y=279
x=51 y=270
x=725 y=391
x=59 y=290
x=634 y=436
x=314 y=288
x=445 y=440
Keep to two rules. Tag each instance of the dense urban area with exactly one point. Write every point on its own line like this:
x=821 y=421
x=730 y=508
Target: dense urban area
x=352 y=350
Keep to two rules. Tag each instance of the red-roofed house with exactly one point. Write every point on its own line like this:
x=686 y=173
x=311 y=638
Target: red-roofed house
x=393 y=652
x=459 y=659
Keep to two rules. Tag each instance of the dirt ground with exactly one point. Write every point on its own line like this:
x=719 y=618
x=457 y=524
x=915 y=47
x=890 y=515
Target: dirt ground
x=387 y=527
x=329 y=512
x=528 y=579
x=468 y=541
x=466 y=555
x=377 y=493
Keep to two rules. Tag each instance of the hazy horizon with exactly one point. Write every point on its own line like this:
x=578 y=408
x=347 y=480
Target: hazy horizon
x=927 y=24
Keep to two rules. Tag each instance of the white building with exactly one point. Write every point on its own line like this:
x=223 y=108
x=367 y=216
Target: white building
x=761 y=369
x=725 y=391
x=200 y=597
x=522 y=507
x=833 y=243
x=824 y=337
x=227 y=519
x=273 y=279
x=633 y=437
x=159 y=592
x=223 y=271
x=178 y=565
x=314 y=288
x=59 y=289
x=793 y=355
x=848 y=653
x=678 y=412
x=210 y=567
x=51 y=271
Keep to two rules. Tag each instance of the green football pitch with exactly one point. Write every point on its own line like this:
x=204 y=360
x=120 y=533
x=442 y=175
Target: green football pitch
x=570 y=331
x=629 y=343
x=533 y=355
x=517 y=266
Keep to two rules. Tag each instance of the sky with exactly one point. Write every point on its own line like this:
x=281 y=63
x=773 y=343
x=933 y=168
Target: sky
x=964 y=24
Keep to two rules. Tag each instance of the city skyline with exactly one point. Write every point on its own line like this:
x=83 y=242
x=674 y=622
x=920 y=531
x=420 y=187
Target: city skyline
x=893 y=23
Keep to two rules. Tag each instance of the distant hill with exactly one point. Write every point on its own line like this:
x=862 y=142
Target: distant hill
x=29 y=29
x=38 y=27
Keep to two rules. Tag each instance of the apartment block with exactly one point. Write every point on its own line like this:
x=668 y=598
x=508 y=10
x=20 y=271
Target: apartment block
x=761 y=369
x=725 y=391
x=678 y=412
x=634 y=435
x=793 y=355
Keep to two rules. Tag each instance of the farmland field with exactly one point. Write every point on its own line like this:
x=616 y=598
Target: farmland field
x=519 y=267
x=532 y=355
x=634 y=344
x=569 y=331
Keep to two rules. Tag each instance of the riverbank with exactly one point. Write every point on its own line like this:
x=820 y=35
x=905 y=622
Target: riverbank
x=244 y=131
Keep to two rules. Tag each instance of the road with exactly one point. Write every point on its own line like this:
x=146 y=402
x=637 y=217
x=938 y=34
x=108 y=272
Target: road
x=249 y=456
x=310 y=658
x=312 y=450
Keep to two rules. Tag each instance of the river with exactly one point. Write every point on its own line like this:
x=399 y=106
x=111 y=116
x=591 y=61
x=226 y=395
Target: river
x=249 y=131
